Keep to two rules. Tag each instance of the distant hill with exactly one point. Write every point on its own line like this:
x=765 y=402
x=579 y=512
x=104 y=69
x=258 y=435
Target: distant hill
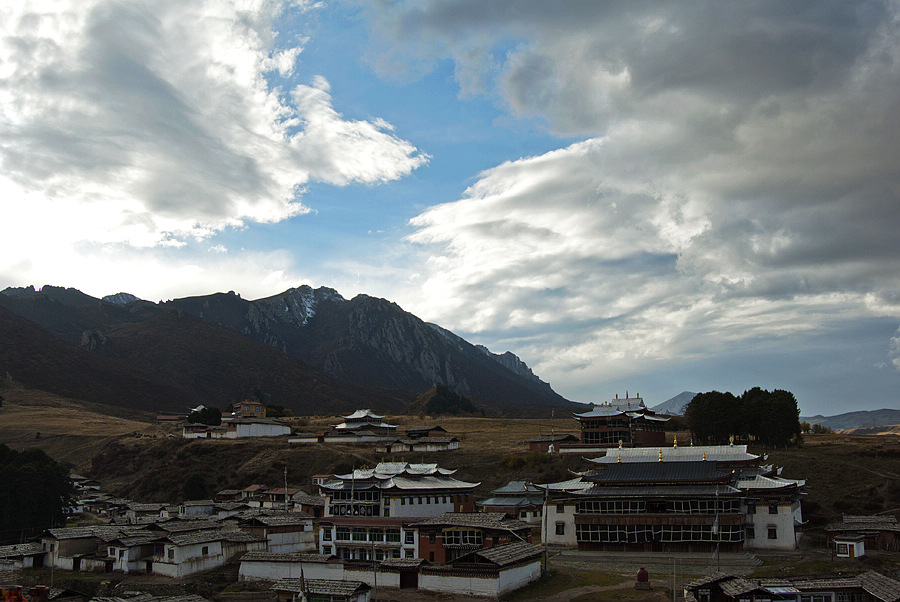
x=441 y=401
x=862 y=419
x=675 y=405
x=37 y=359
x=309 y=350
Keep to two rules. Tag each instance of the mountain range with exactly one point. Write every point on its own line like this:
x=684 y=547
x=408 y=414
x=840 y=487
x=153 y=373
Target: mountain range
x=306 y=349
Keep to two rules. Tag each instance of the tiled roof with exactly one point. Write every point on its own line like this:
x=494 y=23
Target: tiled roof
x=525 y=500
x=321 y=587
x=659 y=490
x=852 y=522
x=363 y=414
x=286 y=557
x=689 y=453
x=484 y=520
x=518 y=487
x=22 y=549
x=658 y=472
x=182 y=526
x=552 y=438
x=503 y=555
x=281 y=520
x=187 y=539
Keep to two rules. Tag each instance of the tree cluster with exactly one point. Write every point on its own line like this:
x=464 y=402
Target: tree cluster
x=208 y=416
x=770 y=418
x=36 y=493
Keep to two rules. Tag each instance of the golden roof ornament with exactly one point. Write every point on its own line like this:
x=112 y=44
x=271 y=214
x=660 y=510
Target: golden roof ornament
x=620 y=444
x=619 y=460
x=704 y=456
x=731 y=440
x=675 y=441
x=660 y=455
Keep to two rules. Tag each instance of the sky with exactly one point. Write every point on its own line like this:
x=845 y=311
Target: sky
x=635 y=196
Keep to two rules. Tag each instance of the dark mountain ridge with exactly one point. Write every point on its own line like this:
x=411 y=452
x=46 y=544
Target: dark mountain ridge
x=299 y=348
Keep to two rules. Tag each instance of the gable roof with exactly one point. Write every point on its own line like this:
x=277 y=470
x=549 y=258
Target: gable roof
x=503 y=555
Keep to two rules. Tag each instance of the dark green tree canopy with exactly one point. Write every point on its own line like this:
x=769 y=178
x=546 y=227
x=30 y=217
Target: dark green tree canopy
x=210 y=416
x=36 y=494
x=770 y=418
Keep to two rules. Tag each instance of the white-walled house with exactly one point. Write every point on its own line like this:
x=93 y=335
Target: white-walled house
x=285 y=533
x=181 y=555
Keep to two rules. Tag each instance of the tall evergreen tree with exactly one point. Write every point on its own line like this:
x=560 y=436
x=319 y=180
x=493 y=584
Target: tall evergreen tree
x=37 y=493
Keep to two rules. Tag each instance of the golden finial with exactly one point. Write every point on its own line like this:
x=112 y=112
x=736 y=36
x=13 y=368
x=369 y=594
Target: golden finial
x=660 y=455
x=675 y=442
x=619 y=460
x=731 y=440
x=704 y=456
x=620 y=444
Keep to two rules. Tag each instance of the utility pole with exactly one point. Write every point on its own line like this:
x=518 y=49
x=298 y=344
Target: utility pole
x=285 y=489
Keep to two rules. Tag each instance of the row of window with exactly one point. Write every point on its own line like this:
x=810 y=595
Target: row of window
x=771 y=532
x=354 y=510
x=364 y=495
x=709 y=506
x=605 y=437
x=373 y=534
x=751 y=507
x=367 y=554
x=659 y=533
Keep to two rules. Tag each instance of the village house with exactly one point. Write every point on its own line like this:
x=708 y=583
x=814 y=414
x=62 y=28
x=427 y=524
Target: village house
x=313 y=505
x=853 y=533
x=627 y=421
x=517 y=498
x=249 y=409
x=326 y=590
x=548 y=443
x=189 y=553
x=417 y=432
x=22 y=556
x=454 y=534
x=675 y=499
x=864 y=587
x=421 y=444
x=272 y=566
x=489 y=572
x=279 y=498
x=284 y=532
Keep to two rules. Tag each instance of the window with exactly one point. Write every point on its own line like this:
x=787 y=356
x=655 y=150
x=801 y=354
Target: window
x=204 y=551
x=326 y=535
x=327 y=550
x=773 y=533
x=462 y=537
x=342 y=534
x=430 y=556
x=395 y=553
x=432 y=538
x=773 y=507
x=843 y=549
x=407 y=553
x=560 y=528
x=410 y=537
x=560 y=508
x=751 y=532
x=403 y=501
x=359 y=534
x=393 y=536
x=171 y=553
x=376 y=534
x=751 y=507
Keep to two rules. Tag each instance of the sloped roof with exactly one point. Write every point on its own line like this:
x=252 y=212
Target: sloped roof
x=482 y=520
x=518 y=487
x=287 y=557
x=321 y=587
x=358 y=414
x=690 y=453
x=658 y=472
x=21 y=549
x=851 y=522
x=502 y=555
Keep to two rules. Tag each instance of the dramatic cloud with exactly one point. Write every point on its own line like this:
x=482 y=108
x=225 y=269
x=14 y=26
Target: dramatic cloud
x=147 y=122
x=738 y=183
